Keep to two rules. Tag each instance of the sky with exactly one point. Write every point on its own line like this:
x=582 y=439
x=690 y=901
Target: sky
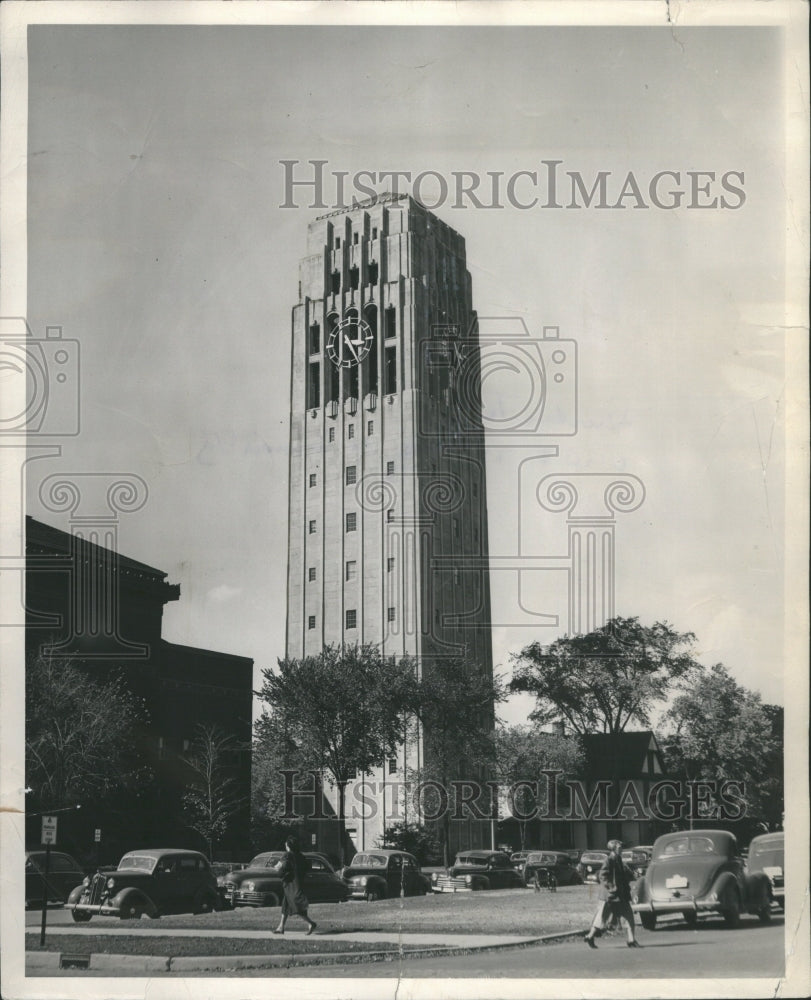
x=156 y=239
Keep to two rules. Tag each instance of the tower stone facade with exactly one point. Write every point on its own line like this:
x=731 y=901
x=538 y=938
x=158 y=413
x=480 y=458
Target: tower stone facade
x=388 y=512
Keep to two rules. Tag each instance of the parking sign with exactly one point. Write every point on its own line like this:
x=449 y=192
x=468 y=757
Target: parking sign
x=49 y=829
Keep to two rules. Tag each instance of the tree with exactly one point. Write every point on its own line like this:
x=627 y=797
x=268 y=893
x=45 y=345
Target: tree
x=212 y=797
x=274 y=751
x=80 y=734
x=344 y=708
x=414 y=838
x=456 y=709
x=607 y=679
x=720 y=731
x=522 y=753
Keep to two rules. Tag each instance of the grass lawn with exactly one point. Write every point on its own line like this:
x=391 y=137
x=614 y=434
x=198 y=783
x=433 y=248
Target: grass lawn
x=508 y=911
x=90 y=943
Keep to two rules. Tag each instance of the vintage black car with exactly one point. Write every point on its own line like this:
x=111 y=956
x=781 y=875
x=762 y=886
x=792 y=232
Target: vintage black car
x=260 y=884
x=476 y=870
x=518 y=859
x=153 y=881
x=767 y=854
x=549 y=869
x=383 y=874
x=699 y=871
x=638 y=859
x=591 y=861
x=64 y=873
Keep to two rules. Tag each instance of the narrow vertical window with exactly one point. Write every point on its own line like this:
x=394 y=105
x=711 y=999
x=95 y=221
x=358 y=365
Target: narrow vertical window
x=352 y=521
x=311 y=574
x=331 y=435
x=354 y=277
x=391 y=322
x=390 y=515
x=389 y=468
x=311 y=622
x=391 y=370
x=315 y=338
x=390 y=614
x=312 y=479
x=350 y=431
x=351 y=569
x=336 y=282
x=370 y=428
x=313 y=385
x=351 y=474
x=337 y=242
x=312 y=527
x=351 y=618
x=390 y=564
x=372 y=272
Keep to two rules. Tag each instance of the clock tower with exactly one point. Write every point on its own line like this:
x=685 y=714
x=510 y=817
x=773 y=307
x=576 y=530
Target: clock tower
x=388 y=513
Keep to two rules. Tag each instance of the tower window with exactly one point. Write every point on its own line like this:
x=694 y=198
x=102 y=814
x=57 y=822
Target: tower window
x=331 y=434
x=315 y=338
x=389 y=468
x=374 y=233
x=336 y=282
x=370 y=428
x=350 y=431
x=352 y=521
x=351 y=618
x=390 y=614
x=372 y=271
x=391 y=370
x=351 y=474
x=390 y=564
x=311 y=622
x=351 y=569
x=313 y=385
x=391 y=322
x=354 y=277
x=312 y=527
x=311 y=574
x=355 y=238
x=390 y=515
x=312 y=479
x=392 y=765
x=337 y=242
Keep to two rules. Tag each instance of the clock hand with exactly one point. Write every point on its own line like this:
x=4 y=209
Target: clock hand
x=349 y=344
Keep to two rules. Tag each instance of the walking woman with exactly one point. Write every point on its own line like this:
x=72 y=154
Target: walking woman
x=615 y=896
x=294 y=867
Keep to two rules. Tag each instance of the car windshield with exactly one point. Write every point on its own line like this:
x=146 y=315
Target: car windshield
x=267 y=860
x=686 y=845
x=141 y=862
x=542 y=859
x=592 y=856
x=369 y=861
x=471 y=859
x=768 y=856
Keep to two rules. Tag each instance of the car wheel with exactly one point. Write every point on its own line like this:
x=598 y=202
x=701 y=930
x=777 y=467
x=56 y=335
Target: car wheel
x=372 y=895
x=80 y=916
x=690 y=918
x=764 y=914
x=576 y=880
x=648 y=921
x=204 y=903
x=480 y=885
x=131 y=911
x=732 y=913
x=271 y=899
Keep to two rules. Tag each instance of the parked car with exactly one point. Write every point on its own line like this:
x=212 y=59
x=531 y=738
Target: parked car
x=64 y=872
x=700 y=871
x=591 y=861
x=385 y=874
x=152 y=882
x=223 y=868
x=766 y=854
x=550 y=869
x=260 y=884
x=475 y=870
x=638 y=859
x=575 y=853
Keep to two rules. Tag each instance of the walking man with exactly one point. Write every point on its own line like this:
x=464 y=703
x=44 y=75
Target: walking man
x=294 y=866
x=615 y=896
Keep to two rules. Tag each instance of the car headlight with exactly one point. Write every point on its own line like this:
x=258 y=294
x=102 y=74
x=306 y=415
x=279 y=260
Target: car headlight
x=468 y=879
x=248 y=886
x=713 y=897
x=111 y=883
x=86 y=880
x=363 y=880
x=434 y=876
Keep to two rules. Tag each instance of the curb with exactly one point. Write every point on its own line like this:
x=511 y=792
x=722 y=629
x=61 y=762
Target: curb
x=225 y=963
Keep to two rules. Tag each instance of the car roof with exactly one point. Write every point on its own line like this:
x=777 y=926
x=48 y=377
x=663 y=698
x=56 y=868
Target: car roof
x=718 y=835
x=159 y=852
x=383 y=850
x=767 y=838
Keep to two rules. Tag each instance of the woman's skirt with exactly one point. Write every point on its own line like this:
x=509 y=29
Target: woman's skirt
x=294 y=901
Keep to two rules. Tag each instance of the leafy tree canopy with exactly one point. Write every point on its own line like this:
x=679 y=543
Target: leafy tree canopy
x=607 y=679
x=212 y=797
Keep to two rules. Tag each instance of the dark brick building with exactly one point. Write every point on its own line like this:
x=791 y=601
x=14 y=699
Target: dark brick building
x=102 y=611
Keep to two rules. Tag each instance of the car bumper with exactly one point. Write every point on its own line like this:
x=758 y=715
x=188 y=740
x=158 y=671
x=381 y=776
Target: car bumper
x=675 y=906
x=96 y=909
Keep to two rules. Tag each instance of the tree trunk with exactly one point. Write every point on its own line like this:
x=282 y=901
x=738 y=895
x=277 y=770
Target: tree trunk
x=341 y=822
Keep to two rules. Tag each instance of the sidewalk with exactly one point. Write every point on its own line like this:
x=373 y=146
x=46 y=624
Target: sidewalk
x=412 y=945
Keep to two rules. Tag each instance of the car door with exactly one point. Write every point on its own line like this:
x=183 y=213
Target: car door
x=411 y=876
x=64 y=876
x=394 y=875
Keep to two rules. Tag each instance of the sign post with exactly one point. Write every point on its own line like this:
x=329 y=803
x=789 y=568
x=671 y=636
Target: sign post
x=48 y=838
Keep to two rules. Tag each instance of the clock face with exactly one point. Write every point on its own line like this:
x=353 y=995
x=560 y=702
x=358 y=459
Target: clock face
x=349 y=343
